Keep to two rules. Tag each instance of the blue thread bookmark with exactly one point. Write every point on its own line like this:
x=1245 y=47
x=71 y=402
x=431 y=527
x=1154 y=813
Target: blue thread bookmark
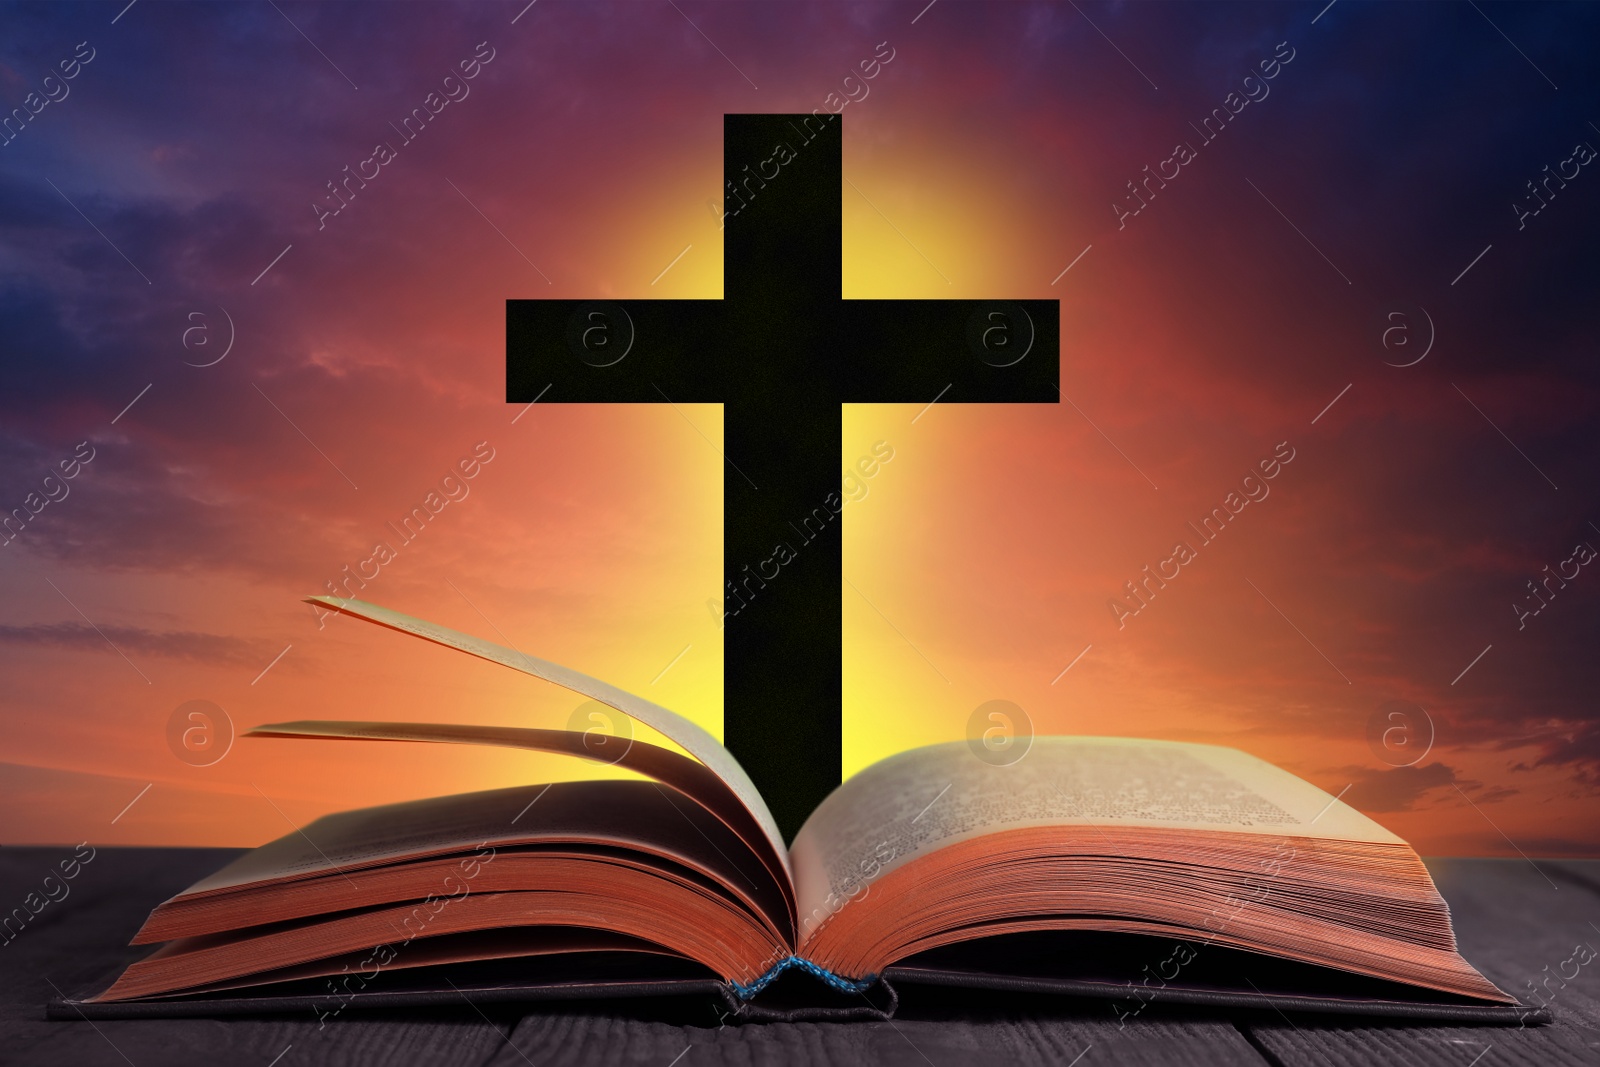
x=843 y=985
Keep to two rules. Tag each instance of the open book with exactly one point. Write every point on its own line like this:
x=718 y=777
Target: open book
x=1126 y=869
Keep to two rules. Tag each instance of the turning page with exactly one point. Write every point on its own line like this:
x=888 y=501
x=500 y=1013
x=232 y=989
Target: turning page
x=695 y=740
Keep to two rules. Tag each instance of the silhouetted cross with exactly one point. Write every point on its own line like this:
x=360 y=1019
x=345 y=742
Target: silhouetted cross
x=782 y=351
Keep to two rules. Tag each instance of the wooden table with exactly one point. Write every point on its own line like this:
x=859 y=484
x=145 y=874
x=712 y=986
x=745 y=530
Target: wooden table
x=1514 y=919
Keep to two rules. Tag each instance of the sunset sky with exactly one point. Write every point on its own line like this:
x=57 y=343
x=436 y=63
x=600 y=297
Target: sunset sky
x=171 y=186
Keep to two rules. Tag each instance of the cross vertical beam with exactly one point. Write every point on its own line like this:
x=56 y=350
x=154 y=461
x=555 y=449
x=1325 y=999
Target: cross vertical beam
x=783 y=351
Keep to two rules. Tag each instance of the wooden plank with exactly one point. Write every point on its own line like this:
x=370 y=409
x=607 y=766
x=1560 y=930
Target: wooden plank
x=1050 y=1037
x=1516 y=921
x=285 y=1043
x=104 y=905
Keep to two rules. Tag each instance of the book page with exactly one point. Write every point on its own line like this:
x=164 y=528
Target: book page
x=637 y=816
x=695 y=740
x=470 y=947
x=922 y=800
x=697 y=782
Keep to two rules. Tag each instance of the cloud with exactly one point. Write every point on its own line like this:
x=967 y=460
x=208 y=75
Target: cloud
x=1574 y=746
x=1396 y=788
x=1403 y=788
x=175 y=644
x=1397 y=544
x=1580 y=745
